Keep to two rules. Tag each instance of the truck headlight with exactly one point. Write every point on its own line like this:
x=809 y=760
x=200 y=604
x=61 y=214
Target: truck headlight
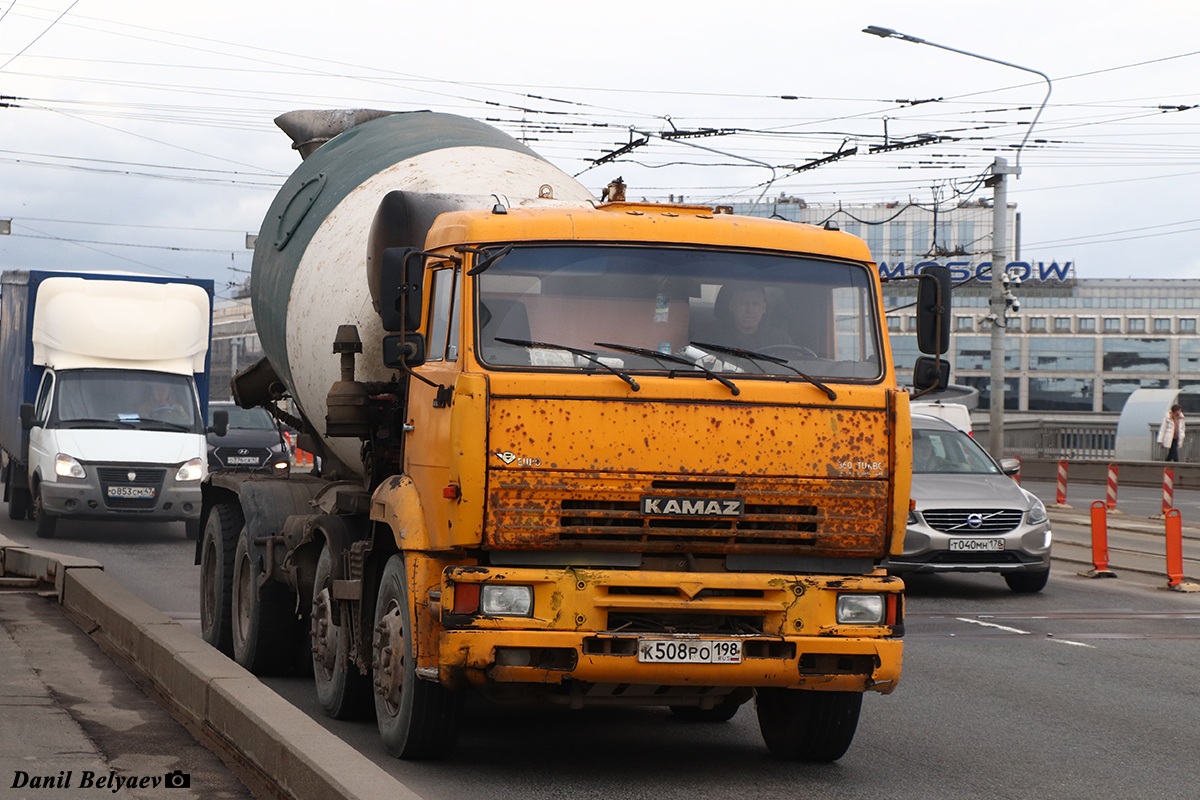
x=502 y=600
x=860 y=609
x=191 y=471
x=67 y=467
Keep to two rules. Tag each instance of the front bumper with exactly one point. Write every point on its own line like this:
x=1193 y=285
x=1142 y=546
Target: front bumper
x=586 y=624
x=926 y=550
x=88 y=498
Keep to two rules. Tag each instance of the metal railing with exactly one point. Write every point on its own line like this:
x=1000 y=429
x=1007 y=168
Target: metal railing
x=1036 y=438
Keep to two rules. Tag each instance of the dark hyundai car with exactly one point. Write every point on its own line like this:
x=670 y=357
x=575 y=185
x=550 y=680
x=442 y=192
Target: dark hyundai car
x=251 y=443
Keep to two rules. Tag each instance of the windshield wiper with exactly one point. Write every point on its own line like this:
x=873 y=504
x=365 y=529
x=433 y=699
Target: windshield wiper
x=94 y=423
x=659 y=356
x=585 y=354
x=753 y=356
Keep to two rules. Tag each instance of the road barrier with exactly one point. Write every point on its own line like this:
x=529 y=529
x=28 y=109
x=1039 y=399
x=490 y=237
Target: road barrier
x=1174 y=526
x=1099 y=543
x=300 y=458
x=1111 y=497
x=1060 y=491
x=1168 y=497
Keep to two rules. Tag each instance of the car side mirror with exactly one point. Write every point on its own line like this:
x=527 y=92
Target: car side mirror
x=27 y=420
x=1010 y=466
x=220 y=424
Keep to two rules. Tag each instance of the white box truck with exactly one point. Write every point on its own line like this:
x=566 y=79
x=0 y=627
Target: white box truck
x=103 y=389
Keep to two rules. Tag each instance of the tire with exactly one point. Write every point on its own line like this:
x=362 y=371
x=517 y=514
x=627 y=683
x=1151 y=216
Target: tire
x=418 y=719
x=803 y=725
x=1027 y=582
x=263 y=617
x=19 y=502
x=343 y=691
x=721 y=712
x=47 y=524
x=221 y=530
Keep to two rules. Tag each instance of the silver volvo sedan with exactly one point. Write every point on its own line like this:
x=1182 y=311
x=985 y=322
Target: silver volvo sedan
x=970 y=515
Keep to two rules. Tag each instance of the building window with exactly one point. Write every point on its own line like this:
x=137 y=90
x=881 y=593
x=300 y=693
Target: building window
x=912 y=323
x=1037 y=324
x=1060 y=394
x=898 y=239
x=1062 y=355
x=1112 y=324
x=874 y=239
x=964 y=323
x=1062 y=324
x=1137 y=325
x=975 y=352
x=1162 y=325
x=1087 y=324
x=904 y=352
x=893 y=324
x=1136 y=355
x=1187 y=326
x=1012 y=391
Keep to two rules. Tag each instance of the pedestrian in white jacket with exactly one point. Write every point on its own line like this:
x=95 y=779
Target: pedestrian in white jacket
x=1170 y=433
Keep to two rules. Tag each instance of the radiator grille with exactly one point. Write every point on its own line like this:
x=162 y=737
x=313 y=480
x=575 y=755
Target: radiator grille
x=143 y=477
x=958 y=521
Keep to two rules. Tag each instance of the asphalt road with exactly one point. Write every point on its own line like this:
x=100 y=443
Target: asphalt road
x=1085 y=690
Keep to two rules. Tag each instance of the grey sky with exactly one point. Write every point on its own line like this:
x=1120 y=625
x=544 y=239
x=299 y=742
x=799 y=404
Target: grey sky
x=142 y=139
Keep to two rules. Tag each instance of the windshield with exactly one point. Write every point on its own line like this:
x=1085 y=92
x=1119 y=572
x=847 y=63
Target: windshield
x=126 y=398
x=817 y=317
x=247 y=419
x=949 y=451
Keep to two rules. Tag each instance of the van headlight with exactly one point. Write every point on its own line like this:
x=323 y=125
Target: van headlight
x=860 y=609
x=503 y=600
x=1037 y=513
x=191 y=471
x=67 y=467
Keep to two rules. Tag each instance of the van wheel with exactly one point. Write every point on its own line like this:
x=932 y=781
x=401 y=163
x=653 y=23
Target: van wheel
x=343 y=691
x=46 y=523
x=19 y=502
x=216 y=574
x=263 y=616
x=417 y=718
x=803 y=725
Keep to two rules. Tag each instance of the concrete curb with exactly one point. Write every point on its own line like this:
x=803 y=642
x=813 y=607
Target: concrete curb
x=302 y=758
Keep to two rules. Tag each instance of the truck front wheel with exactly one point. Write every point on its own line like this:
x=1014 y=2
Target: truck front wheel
x=417 y=718
x=46 y=523
x=221 y=531
x=263 y=615
x=344 y=692
x=803 y=725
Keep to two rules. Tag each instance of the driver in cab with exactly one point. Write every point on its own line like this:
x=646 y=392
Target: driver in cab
x=924 y=457
x=740 y=320
x=163 y=404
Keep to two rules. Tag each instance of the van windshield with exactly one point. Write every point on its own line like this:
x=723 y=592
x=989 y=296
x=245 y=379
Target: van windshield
x=818 y=317
x=128 y=398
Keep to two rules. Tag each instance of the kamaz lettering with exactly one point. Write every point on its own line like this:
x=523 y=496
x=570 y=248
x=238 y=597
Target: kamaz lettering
x=692 y=507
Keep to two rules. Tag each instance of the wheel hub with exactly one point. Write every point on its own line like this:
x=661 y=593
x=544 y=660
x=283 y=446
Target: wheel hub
x=389 y=657
x=324 y=632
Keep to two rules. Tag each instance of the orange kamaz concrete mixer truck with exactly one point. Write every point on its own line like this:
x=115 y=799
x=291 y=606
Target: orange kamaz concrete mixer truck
x=568 y=452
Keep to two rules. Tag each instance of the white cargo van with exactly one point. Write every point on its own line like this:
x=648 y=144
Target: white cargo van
x=954 y=413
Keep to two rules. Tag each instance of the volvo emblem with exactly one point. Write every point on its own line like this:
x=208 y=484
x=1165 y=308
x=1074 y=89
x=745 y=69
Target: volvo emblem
x=975 y=520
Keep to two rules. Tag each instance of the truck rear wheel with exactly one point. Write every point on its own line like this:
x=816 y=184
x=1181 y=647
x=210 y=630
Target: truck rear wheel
x=262 y=614
x=344 y=692
x=46 y=523
x=803 y=725
x=417 y=718
x=221 y=531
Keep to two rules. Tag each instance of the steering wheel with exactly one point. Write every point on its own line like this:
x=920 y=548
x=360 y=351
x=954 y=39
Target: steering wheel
x=168 y=412
x=945 y=468
x=783 y=350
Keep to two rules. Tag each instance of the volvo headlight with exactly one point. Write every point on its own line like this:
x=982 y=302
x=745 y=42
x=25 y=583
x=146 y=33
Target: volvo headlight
x=860 y=609
x=1037 y=513
x=67 y=467
x=191 y=471
x=502 y=600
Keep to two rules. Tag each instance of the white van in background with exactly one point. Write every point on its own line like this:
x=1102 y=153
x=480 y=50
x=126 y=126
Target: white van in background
x=954 y=413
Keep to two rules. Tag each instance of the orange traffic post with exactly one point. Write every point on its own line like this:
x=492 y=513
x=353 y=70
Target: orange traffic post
x=1175 y=583
x=1017 y=477
x=1060 y=493
x=1099 y=542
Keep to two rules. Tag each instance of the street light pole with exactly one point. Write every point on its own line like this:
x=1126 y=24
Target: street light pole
x=998 y=309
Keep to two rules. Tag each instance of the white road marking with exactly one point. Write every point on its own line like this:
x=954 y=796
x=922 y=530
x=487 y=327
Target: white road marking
x=1076 y=644
x=993 y=625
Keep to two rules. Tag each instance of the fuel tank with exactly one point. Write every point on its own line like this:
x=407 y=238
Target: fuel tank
x=310 y=271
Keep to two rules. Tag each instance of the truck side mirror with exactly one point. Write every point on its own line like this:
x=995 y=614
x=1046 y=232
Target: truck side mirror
x=933 y=310
x=401 y=350
x=931 y=375
x=401 y=276
x=220 y=424
x=27 y=420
